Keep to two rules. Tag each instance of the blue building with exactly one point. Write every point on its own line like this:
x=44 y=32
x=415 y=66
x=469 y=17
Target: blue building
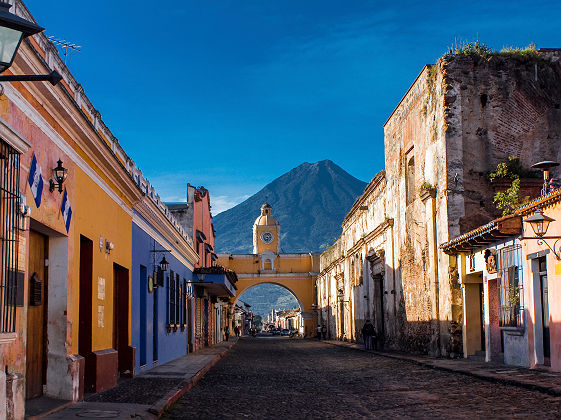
x=162 y=307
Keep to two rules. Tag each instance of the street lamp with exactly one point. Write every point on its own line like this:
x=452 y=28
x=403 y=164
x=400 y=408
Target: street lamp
x=12 y=30
x=539 y=223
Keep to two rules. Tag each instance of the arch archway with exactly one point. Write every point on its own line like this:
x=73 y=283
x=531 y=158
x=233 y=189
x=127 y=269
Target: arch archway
x=302 y=288
x=274 y=306
x=240 y=294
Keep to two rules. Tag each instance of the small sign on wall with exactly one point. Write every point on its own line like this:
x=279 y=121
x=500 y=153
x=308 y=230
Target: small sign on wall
x=557 y=269
x=100 y=316
x=101 y=288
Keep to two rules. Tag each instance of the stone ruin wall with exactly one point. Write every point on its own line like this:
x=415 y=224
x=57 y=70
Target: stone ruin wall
x=497 y=107
x=413 y=131
x=459 y=120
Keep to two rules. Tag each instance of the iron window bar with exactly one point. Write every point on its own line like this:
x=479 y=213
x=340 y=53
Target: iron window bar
x=510 y=285
x=9 y=235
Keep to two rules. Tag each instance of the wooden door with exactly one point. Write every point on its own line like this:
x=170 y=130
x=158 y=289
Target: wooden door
x=36 y=361
x=85 y=312
x=121 y=318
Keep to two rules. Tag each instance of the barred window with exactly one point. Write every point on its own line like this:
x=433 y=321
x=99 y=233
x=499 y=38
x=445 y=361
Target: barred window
x=9 y=235
x=171 y=298
x=178 y=300
x=184 y=304
x=511 y=293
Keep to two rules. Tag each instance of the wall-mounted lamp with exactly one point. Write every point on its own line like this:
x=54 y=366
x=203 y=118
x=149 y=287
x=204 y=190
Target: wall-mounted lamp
x=539 y=223
x=59 y=174
x=109 y=246
x=160 y=268
x=164 y=264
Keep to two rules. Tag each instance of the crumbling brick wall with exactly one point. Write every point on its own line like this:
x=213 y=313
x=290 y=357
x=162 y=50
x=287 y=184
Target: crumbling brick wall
x=458 y=120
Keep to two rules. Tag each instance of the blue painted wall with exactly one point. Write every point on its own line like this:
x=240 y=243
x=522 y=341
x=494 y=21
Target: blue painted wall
x=169 y=345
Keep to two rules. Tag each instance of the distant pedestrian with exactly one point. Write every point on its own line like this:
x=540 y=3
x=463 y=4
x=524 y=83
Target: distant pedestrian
x=324 y=332
x=227 y=332
x=368 y=331
x=318 y=330
x=237 y=331
x=375 y=339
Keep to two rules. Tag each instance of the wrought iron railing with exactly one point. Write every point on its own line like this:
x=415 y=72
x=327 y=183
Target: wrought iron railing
x=9 y=235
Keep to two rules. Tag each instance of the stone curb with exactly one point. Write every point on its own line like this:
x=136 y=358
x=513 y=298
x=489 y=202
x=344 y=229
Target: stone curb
x=165 y=402
x=486 y=376
x=51 y=411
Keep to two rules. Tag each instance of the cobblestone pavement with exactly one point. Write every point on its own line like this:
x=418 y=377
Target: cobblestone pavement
x=286 y=378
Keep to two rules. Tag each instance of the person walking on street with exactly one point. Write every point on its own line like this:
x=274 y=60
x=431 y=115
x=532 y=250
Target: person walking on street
x=375 y=339
x=368 y=331
x=227 y=332
x=324 y=332
x=318 y=330
x=237 y=331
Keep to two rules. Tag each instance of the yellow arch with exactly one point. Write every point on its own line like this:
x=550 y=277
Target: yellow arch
x=302 y=287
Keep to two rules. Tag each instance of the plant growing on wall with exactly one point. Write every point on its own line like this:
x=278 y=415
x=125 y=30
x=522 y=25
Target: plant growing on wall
x=478 y=48
x=426 y=186
x=510 y=199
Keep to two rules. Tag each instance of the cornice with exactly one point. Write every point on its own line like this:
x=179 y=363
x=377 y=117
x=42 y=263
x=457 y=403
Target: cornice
x=150 y=212
x=380 y=229
x=14 y=139
x=58 y=102
x=273 y=275
x=378 y=179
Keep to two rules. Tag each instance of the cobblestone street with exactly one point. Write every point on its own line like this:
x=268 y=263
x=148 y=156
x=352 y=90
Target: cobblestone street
x=268 y=377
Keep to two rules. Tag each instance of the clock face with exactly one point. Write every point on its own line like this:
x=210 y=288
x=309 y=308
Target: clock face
x=267 y=237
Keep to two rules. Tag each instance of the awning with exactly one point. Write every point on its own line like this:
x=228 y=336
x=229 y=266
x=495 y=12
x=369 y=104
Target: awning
x=200 y=236
x=215 y=284
x=208 y=248
x=498 y=229
x=213 y=256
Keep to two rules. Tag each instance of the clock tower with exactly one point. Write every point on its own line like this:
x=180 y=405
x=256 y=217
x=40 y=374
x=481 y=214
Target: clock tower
x=266 y=232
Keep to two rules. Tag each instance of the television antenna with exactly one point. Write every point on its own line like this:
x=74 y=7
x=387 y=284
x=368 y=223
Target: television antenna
x=67 y=46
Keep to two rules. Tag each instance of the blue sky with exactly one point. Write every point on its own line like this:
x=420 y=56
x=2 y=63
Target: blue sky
x=230 y=94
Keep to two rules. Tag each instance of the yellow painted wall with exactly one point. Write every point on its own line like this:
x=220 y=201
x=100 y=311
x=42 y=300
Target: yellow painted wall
x=95 y=214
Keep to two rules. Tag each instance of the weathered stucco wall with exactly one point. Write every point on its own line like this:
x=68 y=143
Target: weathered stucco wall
x=457 y=121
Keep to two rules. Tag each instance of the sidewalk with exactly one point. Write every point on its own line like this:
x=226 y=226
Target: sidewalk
x=148 y=394
x=541 y=380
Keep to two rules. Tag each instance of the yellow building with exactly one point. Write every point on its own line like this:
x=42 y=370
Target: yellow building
x=295 y=272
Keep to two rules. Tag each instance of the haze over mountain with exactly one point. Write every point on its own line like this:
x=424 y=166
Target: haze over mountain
x=310 y=202
x=266 y=297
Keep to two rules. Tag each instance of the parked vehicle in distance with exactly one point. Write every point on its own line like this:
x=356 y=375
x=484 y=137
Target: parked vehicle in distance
x=285 y=332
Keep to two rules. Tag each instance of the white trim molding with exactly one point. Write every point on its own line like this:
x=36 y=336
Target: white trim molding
x=13 y=138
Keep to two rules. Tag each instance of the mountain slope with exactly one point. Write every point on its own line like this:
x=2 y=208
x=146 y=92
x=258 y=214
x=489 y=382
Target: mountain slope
x=310 y=202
